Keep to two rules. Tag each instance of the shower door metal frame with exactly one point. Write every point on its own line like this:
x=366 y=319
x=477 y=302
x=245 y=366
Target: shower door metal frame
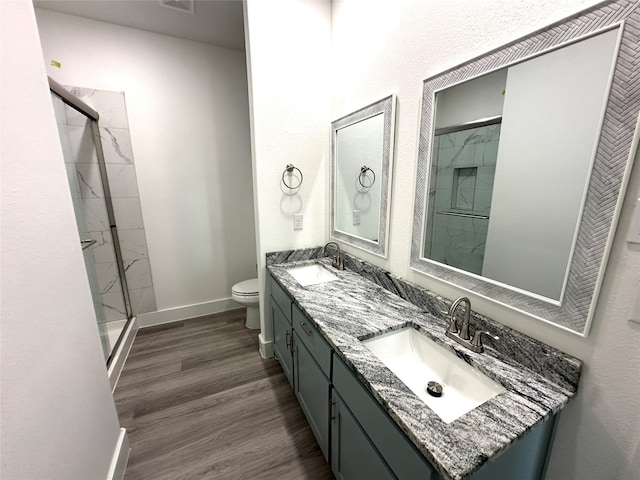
x=78 y=104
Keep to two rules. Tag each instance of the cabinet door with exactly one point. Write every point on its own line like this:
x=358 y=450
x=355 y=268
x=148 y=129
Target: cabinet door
x=353 y=456
x=282 y=338
x=400 y=454
x=312 y=389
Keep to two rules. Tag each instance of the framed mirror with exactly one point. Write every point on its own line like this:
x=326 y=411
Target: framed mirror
x=523 y=161
x=361 y=166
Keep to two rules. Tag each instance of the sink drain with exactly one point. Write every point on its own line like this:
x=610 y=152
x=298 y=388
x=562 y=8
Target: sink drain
x=434 y=389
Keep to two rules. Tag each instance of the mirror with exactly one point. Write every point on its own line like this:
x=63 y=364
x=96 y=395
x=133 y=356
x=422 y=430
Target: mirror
x=361 y=165
x=524 y=155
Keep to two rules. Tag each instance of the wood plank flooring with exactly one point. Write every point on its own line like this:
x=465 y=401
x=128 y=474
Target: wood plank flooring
x=199 y=402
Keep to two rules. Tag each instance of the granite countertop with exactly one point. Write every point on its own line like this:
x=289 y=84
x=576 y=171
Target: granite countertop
x=538 y=383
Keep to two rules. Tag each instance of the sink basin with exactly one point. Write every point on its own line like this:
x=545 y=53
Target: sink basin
x=312 y=274
x=417 y=360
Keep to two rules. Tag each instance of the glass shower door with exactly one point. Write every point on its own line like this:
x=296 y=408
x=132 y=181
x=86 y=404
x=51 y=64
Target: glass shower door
x=95 y=232
x=463 y=171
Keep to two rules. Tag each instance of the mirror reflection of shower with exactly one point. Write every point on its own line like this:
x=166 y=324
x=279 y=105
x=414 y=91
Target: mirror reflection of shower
x=97 y=232
x=464 y=167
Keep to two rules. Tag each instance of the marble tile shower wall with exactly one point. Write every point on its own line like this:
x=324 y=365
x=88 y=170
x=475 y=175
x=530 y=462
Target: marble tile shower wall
x=84 y=174
x=464 y=184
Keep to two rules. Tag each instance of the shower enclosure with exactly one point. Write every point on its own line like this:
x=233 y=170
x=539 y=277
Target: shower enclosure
x=97 y=232
x=463 y=171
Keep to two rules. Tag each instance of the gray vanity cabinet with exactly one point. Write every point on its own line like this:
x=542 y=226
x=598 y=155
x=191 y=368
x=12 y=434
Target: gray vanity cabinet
x=353 y=456
x=399 y=454
x=282 y=331
x=282 y=338
x=312 y=389
x=306 y=360
x=311 y=372
x=356 y=435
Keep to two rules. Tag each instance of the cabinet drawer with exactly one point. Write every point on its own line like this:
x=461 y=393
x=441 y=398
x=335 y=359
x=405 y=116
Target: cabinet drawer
x=281 y=298
x=313 y=340
x=398 y=451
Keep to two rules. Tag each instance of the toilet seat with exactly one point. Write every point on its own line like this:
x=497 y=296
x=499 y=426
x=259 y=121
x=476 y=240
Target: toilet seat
x=248 y=288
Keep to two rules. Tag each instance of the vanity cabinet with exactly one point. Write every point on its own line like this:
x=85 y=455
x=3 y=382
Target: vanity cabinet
x=311 y=371
x=306 y=361
x=356 y=435
x=353 y=456
x=282 y=331
x=398 y=452
x=312 y=389
x=282 y=338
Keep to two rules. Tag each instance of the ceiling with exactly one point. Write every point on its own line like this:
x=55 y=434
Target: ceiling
x=216 y=22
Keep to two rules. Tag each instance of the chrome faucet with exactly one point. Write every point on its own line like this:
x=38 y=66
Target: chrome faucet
x=338 y=262
x=462 y=336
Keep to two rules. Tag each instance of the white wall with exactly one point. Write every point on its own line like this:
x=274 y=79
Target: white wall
x=58 y=416
x=189 y=119
x=384 y=47
x=290 y=122
x=544 y=160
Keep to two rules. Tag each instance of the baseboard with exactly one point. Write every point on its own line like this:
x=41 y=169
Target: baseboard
x=120 y=457
x=120 y=356
x=266 y=348
x=188 y=311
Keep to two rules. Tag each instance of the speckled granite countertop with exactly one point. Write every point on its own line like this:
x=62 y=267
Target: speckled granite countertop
x=539 y=380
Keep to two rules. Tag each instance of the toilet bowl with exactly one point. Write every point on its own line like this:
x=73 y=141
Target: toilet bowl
x=246 y=293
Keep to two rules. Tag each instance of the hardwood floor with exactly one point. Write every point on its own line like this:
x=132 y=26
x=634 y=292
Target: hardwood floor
x=199 y=402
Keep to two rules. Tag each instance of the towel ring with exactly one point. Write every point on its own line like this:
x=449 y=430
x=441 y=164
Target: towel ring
x=363 y=173
x=289 y=169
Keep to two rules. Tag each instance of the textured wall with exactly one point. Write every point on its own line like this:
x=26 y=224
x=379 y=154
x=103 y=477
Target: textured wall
x=289 y=86
x=58 y=417
x=189 y=121
x=384 y=47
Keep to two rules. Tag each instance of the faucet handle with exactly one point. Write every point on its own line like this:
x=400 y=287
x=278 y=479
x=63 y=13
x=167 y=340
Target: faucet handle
x=453 y=326
x=477 y=338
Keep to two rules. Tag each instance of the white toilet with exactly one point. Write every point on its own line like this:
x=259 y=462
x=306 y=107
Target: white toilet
x=247 y=294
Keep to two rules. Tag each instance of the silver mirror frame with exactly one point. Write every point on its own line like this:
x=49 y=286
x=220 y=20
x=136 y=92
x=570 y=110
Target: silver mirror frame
x=618 y=140
x=387 y=106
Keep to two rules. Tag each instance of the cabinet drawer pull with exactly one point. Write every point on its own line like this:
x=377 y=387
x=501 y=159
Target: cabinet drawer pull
x=304 y=327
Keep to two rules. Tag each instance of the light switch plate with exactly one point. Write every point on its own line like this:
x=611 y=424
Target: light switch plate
x=356 y=217
x=634 y=230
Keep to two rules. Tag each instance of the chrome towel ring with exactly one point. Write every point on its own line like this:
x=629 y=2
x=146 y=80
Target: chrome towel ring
x=289 y=170
x=363 y=174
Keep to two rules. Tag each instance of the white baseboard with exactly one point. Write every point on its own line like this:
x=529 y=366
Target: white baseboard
x=266 y=348
x=120 y=457
x=185 y=312
x=120 y=356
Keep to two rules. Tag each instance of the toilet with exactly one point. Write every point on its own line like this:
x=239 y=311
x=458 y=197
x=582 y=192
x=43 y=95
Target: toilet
x=246 y=293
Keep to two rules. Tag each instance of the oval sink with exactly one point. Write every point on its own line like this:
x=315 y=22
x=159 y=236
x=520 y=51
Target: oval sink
x=311 y=274
x=417 y=360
